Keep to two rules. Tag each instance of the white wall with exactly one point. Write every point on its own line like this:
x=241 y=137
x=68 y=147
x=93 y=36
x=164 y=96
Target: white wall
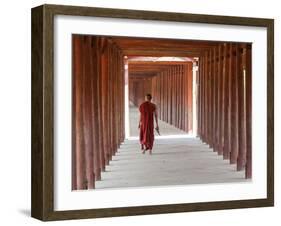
x=15 y=112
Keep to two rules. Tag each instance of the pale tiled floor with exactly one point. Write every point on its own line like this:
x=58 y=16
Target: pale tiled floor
x=174 y=161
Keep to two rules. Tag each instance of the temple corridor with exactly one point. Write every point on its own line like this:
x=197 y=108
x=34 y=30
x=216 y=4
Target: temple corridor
x=203 y=93
x=182 y=159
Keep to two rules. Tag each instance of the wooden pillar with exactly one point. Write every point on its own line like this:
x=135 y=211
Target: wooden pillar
x=176 y=95
x=166 y=79
x=241 y=160
x=185 y=97
x=87 y=114
x=94 y=70
x=227 y=106
x=172 y=96
x=234 y=110
x=190 y=96
x=214 y=108
x=200 y=98
x=207 y=97
x=100 y=139
x=184 y=88
x=223 y=97
x=162 y=101
x=169 y=97
x=203 y=98
x=219 y=102
x=180 y=97
x=104 y=99
x=211 y=96
x=110 y=101
x=114 y=98
x=79 y=171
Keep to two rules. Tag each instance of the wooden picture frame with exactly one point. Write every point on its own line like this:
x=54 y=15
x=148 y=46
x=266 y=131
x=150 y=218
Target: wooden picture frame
x=42 y=203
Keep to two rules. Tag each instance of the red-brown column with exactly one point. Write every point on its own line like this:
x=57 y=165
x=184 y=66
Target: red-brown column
x=190 y=95
x=223 y=97
x=215 y=100
x=227 y=138
x=100 y=153
x=234 y=110
x=210 y=100
x=203 y=99
x=241 y=161
x=230 y=97
x=219 y=102
x=87 y=115
x=184 y=90
x=104 y=100
x=199 y=98
x=224 y=103
x=78 y=134
x=94 y=61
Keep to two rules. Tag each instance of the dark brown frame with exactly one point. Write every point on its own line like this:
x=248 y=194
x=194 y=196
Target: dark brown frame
x=42 y=198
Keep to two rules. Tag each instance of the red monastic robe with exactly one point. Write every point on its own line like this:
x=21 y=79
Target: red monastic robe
x=147 y=110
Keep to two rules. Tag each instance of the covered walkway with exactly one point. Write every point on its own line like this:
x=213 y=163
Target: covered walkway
x=202 y=90
x=175 y=161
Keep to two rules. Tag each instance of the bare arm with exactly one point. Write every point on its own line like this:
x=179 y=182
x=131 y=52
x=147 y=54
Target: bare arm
x=139 y=120
x=156 y=117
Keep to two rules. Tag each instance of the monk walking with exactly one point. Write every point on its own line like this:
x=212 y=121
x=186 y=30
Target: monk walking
x=146 y=123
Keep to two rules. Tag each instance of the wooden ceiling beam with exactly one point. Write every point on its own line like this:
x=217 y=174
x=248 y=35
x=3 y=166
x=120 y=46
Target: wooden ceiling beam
x=129 y=42
x=133 y=63
x=166 y=53
x=148 y=68
x=141 y=76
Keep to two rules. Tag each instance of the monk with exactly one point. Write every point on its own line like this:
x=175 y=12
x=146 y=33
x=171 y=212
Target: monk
x=146 y=123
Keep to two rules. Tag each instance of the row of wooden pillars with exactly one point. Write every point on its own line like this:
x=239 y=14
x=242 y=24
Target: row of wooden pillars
x=138 y=88
x=171 y=91
x=224 y=103
x=223 y=111
x=98 y=107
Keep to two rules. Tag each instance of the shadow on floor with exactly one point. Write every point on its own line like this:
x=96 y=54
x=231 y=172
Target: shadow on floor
x=25 y=212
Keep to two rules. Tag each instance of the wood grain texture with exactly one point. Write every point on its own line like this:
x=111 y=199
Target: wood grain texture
x=225 y=92
x=37 y=185
x=42 y=111
x=89 y=99
x=270 y=111
x=172 y=93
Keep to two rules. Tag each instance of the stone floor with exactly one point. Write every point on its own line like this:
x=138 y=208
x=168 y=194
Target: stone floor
x=176 y=160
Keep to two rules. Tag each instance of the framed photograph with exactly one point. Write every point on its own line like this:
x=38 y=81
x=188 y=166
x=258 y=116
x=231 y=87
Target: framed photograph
x=142 y=112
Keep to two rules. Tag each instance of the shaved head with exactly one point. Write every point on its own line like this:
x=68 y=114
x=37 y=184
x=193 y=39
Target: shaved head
x=148 y=97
